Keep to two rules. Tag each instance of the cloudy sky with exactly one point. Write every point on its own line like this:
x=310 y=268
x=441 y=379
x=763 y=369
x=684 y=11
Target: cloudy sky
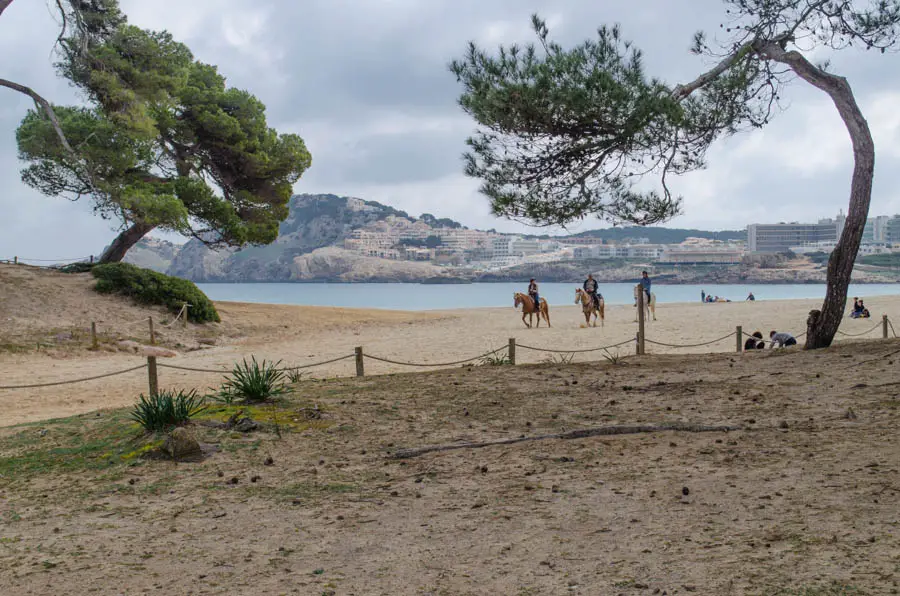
x=365 y=83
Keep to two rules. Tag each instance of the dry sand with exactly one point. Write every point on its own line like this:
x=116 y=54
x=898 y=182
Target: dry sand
x=303 y=335
x=804 y=497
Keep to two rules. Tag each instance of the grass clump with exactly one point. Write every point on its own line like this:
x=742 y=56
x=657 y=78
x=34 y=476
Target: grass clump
x=167 y=409
x=495 y=360
x=149 y=287
x=253 y=382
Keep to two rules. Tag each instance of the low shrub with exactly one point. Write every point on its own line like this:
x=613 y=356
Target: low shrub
x=253 y=382
x=167 y=409
x=149 y=287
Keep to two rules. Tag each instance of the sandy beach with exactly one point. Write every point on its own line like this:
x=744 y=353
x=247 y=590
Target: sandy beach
x=302 y=335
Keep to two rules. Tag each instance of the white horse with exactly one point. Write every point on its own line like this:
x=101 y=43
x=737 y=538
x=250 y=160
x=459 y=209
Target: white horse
x=649 y=305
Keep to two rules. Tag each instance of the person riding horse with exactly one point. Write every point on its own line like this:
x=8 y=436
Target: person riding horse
x=590 y=286
x=533 y=292
x=645 y=283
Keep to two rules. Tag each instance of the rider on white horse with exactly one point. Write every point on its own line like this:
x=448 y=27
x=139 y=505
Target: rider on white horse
x=645 y=283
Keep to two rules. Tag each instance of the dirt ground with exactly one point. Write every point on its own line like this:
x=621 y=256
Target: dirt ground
x=802 y=500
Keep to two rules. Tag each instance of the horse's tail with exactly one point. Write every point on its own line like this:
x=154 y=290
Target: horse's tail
x=545 y=308
x=602 y=309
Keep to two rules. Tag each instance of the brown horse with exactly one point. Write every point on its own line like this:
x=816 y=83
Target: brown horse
x=589 y=308
x=528 y=309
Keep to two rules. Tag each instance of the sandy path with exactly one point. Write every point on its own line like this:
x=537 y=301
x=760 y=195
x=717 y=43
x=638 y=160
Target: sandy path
x=303 y=335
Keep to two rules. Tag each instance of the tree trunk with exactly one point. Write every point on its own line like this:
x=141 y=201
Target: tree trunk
x=822 y=325
x=125 y=240
x=4 y=4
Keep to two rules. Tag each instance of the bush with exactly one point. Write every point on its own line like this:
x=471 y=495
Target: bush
x=168 y=409
x=253 y=382
x=149 y=287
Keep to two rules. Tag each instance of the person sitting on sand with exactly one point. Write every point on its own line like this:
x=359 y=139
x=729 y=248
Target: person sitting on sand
x=533 y=292
x=754 y=342
x=857 y=309
x=863 y=311
x=751 y=297
x=783 y=339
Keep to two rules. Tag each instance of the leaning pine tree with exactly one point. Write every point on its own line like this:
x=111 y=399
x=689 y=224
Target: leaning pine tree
x=162 y=143
x=567 y=133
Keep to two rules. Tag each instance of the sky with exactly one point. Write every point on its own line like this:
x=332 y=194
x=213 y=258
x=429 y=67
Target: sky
x=366 y=84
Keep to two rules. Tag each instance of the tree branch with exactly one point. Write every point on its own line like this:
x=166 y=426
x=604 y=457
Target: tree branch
x=682 y=91
x=4 y=4
x=40 y=101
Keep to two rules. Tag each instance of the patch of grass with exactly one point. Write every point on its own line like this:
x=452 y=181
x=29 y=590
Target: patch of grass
x=149 y=287
x=612 y=358
x=494 y=360
x=166 y=410
x=253 y=382
x=560 y=358
x=70 y=445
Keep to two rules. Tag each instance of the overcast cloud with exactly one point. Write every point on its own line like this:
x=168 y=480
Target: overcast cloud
x=366 y=84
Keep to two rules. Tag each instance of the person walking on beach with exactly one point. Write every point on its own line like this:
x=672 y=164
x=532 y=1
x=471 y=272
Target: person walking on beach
x=590 y=286
x=645 y=283
x=533 y=292
x=783 y=339
x=702 y=295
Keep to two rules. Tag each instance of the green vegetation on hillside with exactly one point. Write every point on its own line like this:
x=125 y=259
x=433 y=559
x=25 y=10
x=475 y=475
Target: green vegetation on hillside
x=150 y=287
x=659 y=235
x=884 y=260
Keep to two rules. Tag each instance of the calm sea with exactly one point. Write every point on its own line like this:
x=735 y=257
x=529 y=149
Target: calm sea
x=439 y=297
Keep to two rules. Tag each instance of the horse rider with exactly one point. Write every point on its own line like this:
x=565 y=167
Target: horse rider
x=590 y=286
x=645 y=283
x=533 y=292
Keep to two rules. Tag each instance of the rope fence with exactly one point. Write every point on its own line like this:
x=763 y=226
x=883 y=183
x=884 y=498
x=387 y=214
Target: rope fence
x=360 y=356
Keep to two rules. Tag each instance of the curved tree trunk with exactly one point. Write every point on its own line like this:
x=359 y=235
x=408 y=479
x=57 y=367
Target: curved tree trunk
x=822 y=325
x=116 y=251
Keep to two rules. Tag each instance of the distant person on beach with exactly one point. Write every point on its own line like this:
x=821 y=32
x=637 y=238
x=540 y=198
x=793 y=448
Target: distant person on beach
x=755 y=342
x=783 y=339
x=533 y=292
x=859 y=310
x=702 y=295
x=751 y=297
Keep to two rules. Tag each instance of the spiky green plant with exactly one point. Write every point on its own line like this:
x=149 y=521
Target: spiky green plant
x=167 y=409
x=254 y=381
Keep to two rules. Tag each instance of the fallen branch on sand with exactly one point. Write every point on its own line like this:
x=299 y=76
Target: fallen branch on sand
x=572 y=434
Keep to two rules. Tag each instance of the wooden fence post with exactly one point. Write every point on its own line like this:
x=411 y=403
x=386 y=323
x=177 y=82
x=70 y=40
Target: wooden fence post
x=738 y=334
x=512 y=351
x=151 y=373
x=184 y=320
x=93 y=335
x=360 y=368
x=884 y=326
x=640 y=307
x=152 y=334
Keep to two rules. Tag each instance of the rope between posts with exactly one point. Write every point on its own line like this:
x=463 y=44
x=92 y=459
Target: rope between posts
x=389 y=361
x=659 y=343
x=892 y=328
x=193 y=369
x=338 y=359
x=112 y=374
x=877 y=325
x=225 y=371
x=178 y=316
x=627 y=341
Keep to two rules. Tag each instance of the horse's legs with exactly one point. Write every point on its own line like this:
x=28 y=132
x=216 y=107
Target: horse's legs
x=523 y=318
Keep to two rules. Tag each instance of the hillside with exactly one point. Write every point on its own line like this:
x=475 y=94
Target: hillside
x=658 y=235
x=314 y=222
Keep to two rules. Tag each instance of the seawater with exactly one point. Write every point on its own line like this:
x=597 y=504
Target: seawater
x=403 y=296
